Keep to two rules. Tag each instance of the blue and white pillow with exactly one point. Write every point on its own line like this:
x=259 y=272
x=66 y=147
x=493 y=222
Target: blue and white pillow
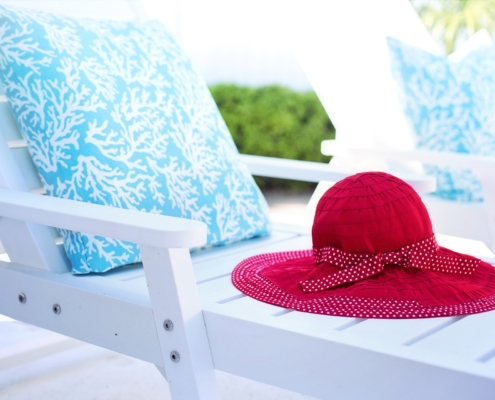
x=451 y=106
x=114 y=113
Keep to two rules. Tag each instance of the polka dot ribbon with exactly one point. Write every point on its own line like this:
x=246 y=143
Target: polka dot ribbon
x=358 y=266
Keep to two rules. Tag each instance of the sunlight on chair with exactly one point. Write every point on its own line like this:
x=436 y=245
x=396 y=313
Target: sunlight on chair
x=469 y=246
x=4 y=318
x=3 y=255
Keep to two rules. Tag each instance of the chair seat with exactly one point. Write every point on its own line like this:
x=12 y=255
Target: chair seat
x=252 y=339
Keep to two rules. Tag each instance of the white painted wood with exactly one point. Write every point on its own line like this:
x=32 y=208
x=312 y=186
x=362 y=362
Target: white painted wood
x=478 y=219
x=121 y=299
x=462 y=160
x=316 y=172
x=475 y=222
x=487 y=176
x=247 y=305
x=278 y=237
x=341 y=367
x=259 y=246
x=362 y=102
x=134 y=226
x=313 y=324
x=8 y=128
x=17 y=144
x=234 y=253
x=403 y=331
x=318 y=355
x=96 y=310
x=174 y=297
x=38 y=190
x=162 y=371
x=214 y=324
x=291 y=169
x=344 y=54
x=219 y=291
x=10 y=175
x=25 y=163
x=37 y=248
x=476 y=332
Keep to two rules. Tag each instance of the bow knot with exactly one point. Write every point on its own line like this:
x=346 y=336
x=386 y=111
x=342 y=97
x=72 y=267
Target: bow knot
x=396 y=257
x=359 y=266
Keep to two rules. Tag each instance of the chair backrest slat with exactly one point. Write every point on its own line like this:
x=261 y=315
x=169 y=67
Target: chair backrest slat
x=349 y=67
x=25 y=243
x=18 y=147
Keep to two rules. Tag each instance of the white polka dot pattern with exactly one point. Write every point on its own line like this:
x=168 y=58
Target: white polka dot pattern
x=359 y=266
x=246 y=277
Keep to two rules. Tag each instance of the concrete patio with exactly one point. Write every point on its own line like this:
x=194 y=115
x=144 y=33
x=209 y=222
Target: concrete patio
x=37 y=364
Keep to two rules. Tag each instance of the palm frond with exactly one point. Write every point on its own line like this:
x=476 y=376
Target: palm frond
x=448 y=20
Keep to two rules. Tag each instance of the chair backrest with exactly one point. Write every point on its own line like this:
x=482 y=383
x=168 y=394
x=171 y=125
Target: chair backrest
x=342 y=47
x=25 y=243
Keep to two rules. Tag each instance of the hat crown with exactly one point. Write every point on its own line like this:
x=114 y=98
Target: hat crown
x=370 y=212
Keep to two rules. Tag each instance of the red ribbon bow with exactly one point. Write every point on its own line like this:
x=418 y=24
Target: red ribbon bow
x=359 y=266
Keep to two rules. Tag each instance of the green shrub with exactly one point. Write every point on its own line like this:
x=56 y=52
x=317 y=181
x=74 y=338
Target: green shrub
x=275 y=121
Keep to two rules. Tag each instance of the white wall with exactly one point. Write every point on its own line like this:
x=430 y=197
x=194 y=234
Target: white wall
x=239 y=41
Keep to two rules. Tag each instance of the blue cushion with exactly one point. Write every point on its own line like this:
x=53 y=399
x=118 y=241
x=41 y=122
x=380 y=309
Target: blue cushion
x=114 y=113
x=451 y=107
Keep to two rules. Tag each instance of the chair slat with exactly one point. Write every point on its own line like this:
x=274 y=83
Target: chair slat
x=8 y=126
x=211 y=268
x=17 y=144
x=25 y=164
x=10 y=133
x=398 y=331
x=476 y=332
x=37 y=248
x=38 y=190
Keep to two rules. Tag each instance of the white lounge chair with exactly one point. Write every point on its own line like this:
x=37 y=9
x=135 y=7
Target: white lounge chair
x=342 y=48
x=182 y=313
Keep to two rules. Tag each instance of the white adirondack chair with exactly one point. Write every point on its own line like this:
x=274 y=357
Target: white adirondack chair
x=342 y=48
x=182 y=313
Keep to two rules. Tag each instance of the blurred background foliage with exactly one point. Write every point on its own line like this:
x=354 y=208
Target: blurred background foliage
x=451 y=21
x=275 y=121
x=279 y=122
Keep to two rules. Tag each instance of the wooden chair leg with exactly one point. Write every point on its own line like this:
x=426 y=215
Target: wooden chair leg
x=188 y=366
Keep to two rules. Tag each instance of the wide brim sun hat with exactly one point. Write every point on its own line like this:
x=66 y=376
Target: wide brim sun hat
x=374 y=256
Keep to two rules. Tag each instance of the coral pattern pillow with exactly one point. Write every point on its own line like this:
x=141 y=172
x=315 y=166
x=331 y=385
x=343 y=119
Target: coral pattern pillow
x=451 y=107
x=114 y=113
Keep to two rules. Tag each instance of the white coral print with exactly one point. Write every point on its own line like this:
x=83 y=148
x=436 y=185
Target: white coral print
x=450 y=106
x=114 y=113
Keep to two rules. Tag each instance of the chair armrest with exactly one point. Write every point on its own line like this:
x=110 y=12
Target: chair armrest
x=463 y=160
x=130 y=225
x=309 y=171
x=306 y=171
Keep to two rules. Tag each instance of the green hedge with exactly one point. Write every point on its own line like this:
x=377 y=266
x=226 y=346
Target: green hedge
x=275 y=121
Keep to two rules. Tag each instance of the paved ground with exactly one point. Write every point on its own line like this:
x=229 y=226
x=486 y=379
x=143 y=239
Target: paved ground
x=59 y=368
x=36 y=364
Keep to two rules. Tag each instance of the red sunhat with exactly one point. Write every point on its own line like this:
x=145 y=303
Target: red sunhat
x=374 y=256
